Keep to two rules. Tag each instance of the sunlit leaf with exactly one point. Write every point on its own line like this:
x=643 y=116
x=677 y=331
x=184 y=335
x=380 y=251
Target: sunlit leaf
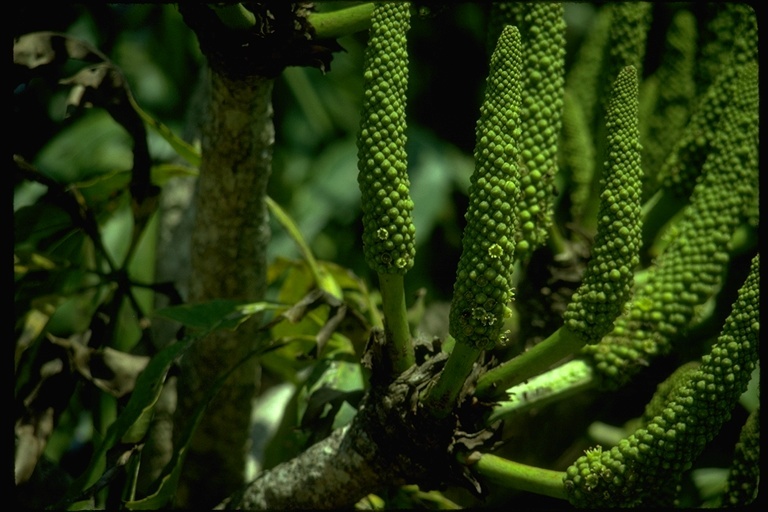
x=329 y=386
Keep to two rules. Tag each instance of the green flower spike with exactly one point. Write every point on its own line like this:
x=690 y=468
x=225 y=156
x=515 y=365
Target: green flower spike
x=607 y=283
x=484 y=277
x=655 y=455
x=689 y=271
x=388 y=231
x=483 y=284
x=742 y=485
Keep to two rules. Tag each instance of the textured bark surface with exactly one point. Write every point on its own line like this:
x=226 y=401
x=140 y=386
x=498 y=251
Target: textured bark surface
x=393 y=440
x=228 y=260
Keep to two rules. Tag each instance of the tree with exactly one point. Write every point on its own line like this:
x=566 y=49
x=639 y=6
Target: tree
x=610 y=237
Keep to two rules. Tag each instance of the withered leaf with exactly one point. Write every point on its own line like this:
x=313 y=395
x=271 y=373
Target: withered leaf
x=111 y=370
x=42 y=48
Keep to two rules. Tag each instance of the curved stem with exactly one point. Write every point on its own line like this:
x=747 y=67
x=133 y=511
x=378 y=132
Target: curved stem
x=559 y=345
x=235 y=16
x=335 y=24
x=515 y=475
x=321 y=278
x=396 y=322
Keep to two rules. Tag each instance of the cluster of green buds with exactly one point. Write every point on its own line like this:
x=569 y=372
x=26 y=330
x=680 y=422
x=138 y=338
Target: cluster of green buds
x=608 y=280
x=689 y=271
x=684 y=420
x=388 y=230
x=483 y=284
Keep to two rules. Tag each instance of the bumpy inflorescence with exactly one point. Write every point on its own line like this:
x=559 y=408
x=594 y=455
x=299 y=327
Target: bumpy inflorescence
x=388 y=230
x=583 y=79
x=688 y=272
x=721 y=24
x=664 y=390
x=483 y=280
x=624 y=46
x=580 y=108
x=680 y=171
x=742 y=485
x=608 y=279
x=542 y=30
x=630 y=473
x=675 y=91
x=627 y=37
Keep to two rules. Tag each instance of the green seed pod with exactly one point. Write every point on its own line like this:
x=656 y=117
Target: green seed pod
x=608 y=279
x=388 y=230
x=483 y=280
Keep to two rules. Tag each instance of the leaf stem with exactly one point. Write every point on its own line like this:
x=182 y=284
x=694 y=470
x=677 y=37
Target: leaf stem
x=536 y=360
x=235 y=16
x=396 y=322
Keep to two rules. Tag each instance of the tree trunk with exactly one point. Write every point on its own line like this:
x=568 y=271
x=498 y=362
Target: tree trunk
x=228 y=262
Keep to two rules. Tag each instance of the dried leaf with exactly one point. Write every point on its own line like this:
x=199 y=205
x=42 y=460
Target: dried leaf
x=31 y=438
x=101 y=85
x=35 y=425
x=110 y=370
x=42 y=48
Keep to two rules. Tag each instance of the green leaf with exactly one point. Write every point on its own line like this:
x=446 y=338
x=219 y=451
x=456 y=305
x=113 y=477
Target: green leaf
x=148 y=387
x=93 y=145
x=430 y=190
x=184 y=149
x=170 y=477
x=215 y=314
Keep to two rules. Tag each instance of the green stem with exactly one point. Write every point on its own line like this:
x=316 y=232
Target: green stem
x=557 y=384
x=656 y=213
x=441 y=398
x=335 y=24
x=515 y=475
x=396 y=322
x=556 y=241
x=235 y=16
x=559 y=345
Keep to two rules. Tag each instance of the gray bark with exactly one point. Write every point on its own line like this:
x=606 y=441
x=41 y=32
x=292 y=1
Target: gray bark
x=391 y=441
x=228 y=261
